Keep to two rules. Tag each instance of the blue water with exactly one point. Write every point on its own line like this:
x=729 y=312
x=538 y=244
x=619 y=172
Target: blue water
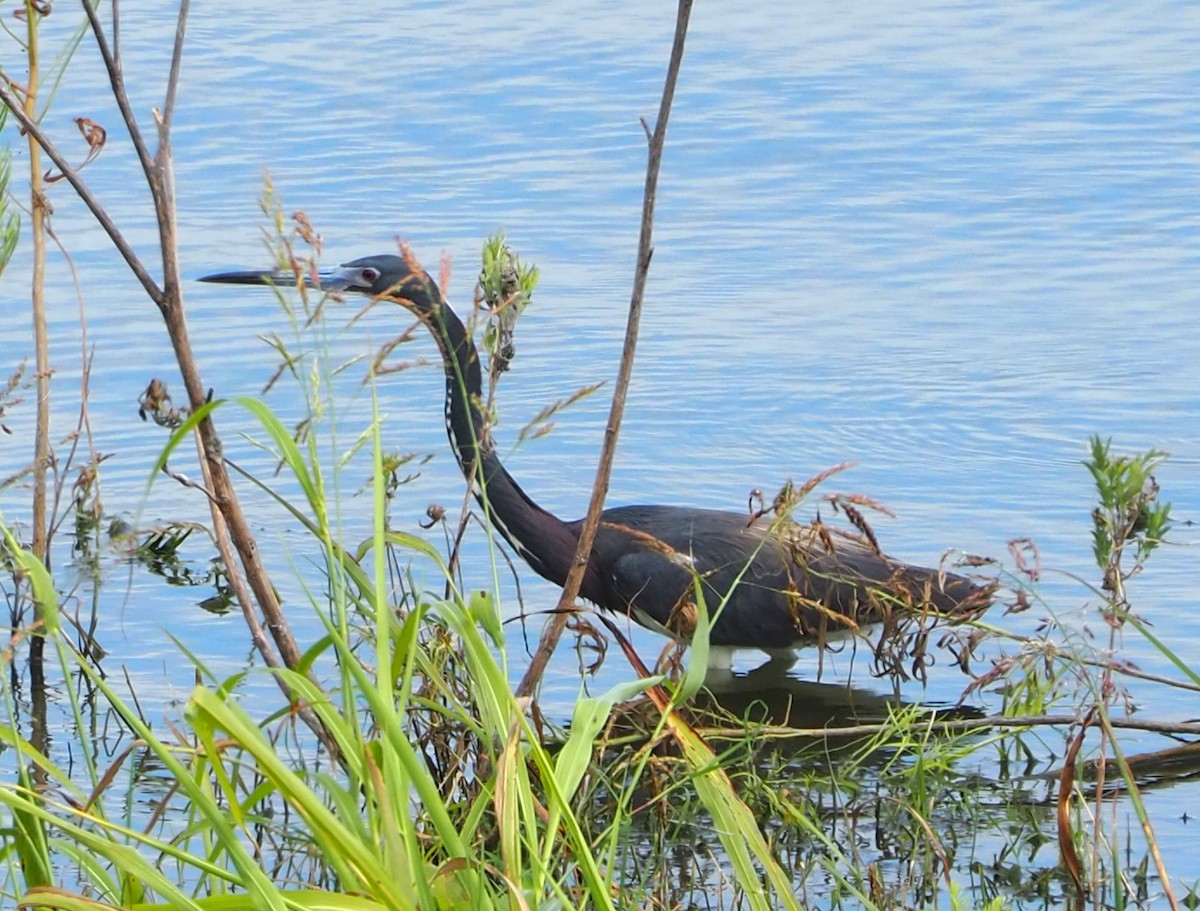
x=947 y=242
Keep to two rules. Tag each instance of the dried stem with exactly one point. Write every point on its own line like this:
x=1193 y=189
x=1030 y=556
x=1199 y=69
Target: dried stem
x=229 y=522
x=82 y=191
x=554 y=628
x=42 y=454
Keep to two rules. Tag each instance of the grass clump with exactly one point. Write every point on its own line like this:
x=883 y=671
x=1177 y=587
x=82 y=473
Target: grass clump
x=401 y=771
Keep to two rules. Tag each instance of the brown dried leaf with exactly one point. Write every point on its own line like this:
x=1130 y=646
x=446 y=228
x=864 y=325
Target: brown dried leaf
x=859 y=521
x=1027 y=557
x=93 y=134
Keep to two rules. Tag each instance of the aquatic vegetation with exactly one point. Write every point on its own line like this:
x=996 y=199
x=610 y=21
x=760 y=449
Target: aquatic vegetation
x=388 y=762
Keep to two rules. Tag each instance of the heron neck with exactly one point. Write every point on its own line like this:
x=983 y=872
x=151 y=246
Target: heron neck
x=542 y=539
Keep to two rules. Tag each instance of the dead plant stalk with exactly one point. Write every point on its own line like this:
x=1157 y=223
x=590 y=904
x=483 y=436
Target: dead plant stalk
x=37 y=209
x=230 y=525
x=558 y=622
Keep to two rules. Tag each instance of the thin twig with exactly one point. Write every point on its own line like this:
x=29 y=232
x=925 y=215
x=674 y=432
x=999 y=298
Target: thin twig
x=176 y=60
x=235 y=579
x=1043 y=646
x=116 y=79
x=228 y=519
x=42 y=452
x=554 y=628
x=84 y=193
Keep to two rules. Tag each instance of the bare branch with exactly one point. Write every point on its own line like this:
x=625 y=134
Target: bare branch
x=232 y=531
x=176 y=60
x=81 y=188
x=116 y=78
x=554 y=628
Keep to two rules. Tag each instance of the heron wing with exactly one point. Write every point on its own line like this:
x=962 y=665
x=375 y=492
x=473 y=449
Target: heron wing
x=767 y=587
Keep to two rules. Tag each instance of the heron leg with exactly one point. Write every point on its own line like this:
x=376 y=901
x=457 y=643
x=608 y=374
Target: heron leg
x=781 y=658
x=720 y=657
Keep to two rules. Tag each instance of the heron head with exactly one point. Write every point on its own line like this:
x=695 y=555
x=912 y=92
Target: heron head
x=386 y=276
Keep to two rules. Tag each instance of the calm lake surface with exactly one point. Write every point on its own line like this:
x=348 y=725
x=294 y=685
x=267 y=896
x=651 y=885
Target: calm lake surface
x=947 y=242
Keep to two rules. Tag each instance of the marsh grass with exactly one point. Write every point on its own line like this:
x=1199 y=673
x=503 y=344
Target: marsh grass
x=395 y=767
x=437 y=787
x=440 y=792
x=431 y=788
x=443 y=789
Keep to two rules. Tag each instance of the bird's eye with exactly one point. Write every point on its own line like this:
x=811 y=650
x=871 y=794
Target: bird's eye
x=369 y=275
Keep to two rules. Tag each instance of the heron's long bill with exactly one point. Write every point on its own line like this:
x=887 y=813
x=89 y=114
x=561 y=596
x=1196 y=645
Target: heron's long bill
x=337 y=279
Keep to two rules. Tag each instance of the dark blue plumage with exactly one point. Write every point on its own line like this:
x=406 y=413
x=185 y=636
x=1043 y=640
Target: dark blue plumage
x=777 y=587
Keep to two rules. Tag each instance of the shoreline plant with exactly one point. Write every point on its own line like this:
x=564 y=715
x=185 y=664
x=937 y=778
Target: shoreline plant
x=400 y=769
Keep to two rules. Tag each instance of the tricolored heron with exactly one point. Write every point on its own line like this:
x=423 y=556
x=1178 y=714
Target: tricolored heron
x=773 y=585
